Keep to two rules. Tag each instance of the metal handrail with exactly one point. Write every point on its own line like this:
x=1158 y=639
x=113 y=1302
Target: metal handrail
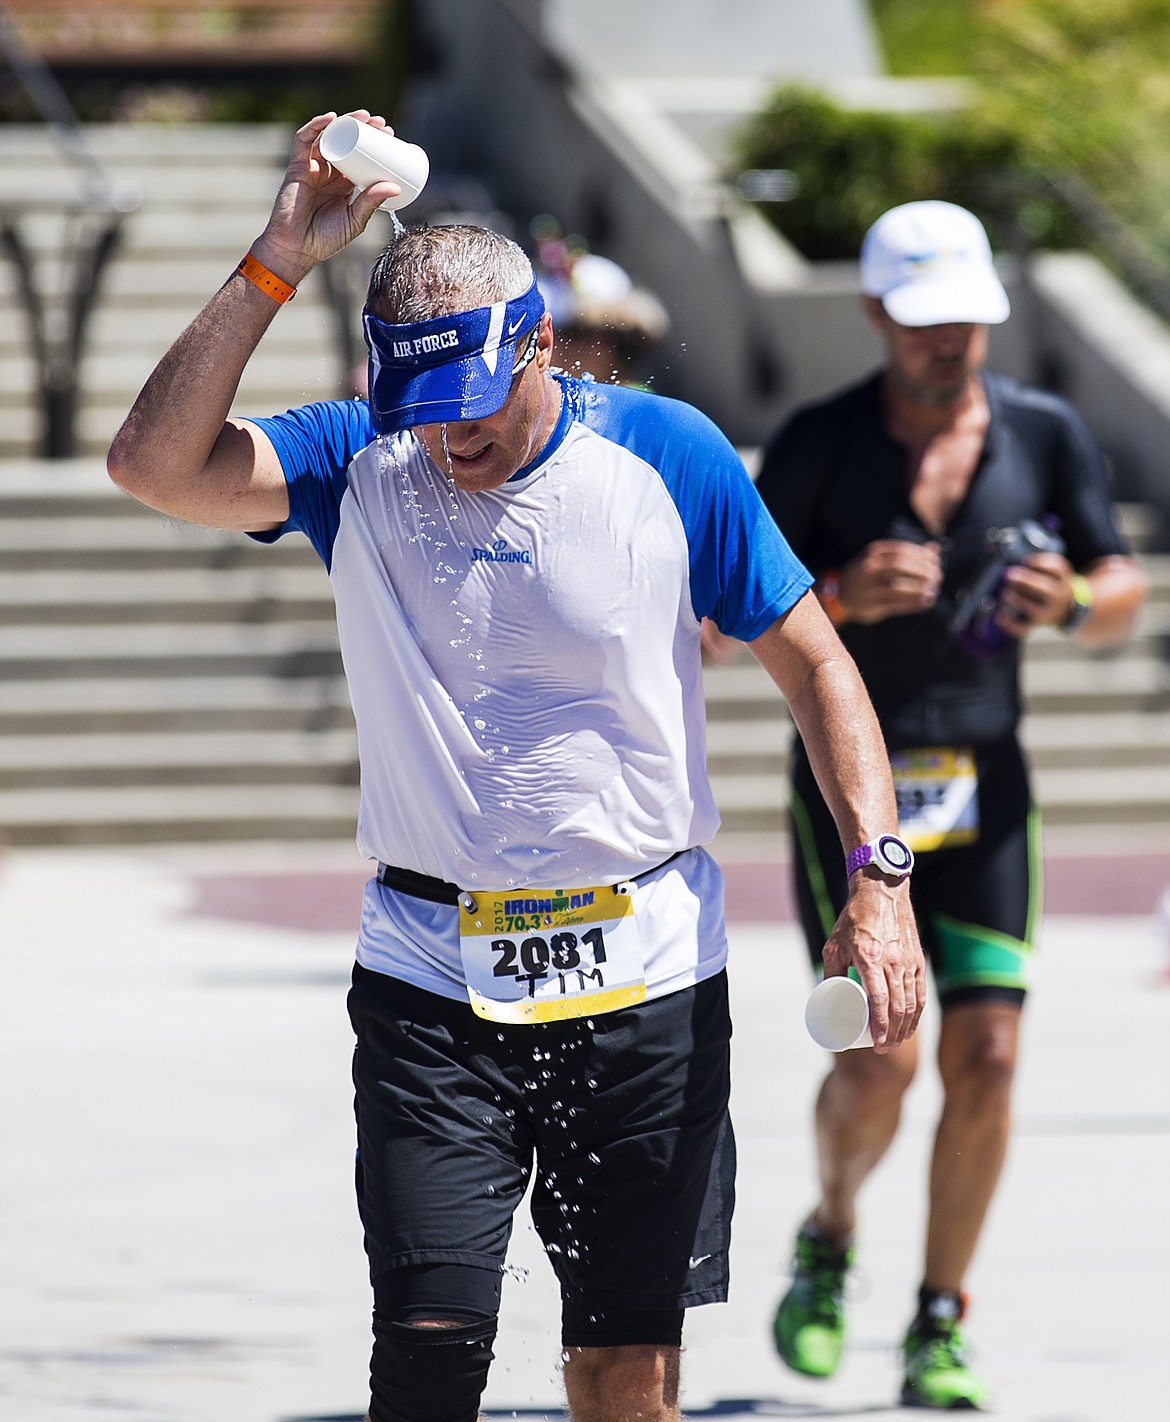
x=94 y=221
x=1131 y=256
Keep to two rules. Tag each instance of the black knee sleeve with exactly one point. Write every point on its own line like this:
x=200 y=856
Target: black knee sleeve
x=429 y=1374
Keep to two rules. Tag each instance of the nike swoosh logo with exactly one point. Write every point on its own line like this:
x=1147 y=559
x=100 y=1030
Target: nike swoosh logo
x=694 y=1264
x=511 y=331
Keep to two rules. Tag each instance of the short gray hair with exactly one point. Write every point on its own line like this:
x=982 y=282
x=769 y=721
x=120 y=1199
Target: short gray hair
x=435 y=271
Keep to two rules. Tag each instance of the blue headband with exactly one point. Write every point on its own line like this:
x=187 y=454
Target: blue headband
x=456 y=367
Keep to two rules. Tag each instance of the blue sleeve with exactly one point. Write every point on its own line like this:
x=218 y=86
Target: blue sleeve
x=743 y=574
x=315 y=445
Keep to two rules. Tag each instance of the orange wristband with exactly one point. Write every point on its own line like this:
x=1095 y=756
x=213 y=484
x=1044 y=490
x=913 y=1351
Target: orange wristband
x=826 y=589
x=268 y=282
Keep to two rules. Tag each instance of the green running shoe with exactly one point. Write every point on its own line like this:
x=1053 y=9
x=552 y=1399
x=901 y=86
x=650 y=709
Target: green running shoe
x=937 y=1374
x=809 y=1327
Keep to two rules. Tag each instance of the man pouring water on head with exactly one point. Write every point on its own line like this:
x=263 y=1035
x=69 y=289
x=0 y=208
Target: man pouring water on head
x=521 y=562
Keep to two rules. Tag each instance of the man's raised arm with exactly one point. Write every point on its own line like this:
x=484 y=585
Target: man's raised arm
x=177 y=450
x=876 y=932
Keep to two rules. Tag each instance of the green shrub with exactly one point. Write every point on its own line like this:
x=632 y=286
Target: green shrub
x=849 y=166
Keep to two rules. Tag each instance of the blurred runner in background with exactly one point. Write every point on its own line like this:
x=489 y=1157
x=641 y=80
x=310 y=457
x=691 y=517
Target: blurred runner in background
x=947 y=513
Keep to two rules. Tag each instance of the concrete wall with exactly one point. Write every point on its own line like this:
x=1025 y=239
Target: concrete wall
x=1111 y=356
x=805 y=38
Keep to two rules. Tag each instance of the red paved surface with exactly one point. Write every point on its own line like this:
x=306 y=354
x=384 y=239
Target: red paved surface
x=329 y=902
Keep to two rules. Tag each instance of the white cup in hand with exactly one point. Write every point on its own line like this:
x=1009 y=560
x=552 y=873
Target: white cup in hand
x=837 y=1015
x=366 y=155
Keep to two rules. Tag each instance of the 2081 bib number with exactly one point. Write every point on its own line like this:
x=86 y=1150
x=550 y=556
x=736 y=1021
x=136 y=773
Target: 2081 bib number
x=533 y=957
x=587 y=959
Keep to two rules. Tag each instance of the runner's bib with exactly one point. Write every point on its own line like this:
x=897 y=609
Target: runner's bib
x=937 y=793
x=533 y=955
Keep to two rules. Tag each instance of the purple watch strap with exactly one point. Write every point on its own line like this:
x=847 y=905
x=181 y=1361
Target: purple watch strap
x=858 y=858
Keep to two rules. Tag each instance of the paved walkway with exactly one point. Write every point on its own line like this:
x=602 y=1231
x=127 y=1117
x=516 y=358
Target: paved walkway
x=177 y=1235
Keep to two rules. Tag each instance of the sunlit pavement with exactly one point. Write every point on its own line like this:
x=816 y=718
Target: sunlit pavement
x=178 y=1241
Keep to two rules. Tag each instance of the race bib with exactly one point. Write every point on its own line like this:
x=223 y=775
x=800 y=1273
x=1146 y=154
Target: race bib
x=938 y=803
x=534 y=955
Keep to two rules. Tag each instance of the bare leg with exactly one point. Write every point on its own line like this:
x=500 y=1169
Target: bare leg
x=637 y=1383
x=857 y=1113
x=977 y=1051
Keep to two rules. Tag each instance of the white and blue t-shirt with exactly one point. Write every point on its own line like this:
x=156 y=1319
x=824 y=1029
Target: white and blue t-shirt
x=524 y=663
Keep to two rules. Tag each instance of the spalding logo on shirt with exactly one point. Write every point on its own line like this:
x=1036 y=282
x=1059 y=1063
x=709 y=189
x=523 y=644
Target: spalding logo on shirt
x=499 y=552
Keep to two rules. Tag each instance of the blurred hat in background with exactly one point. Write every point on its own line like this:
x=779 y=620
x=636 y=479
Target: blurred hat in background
x=585 y=292
x=930 y=263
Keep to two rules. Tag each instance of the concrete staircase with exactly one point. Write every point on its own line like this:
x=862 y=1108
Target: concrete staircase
x=159 y=681
x=164 y=682
x=204 y=195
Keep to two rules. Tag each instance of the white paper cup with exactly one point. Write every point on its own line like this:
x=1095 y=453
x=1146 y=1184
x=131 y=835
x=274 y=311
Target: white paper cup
x=366 y=155
x=837 y=1015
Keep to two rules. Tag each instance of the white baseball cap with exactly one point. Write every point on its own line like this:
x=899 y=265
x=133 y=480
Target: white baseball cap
x=930 y=263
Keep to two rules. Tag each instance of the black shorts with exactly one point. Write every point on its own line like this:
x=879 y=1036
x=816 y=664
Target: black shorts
x=624 y=1117
x=976 y=905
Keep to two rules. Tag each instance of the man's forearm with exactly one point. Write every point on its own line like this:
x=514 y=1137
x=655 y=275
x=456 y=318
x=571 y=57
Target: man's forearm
x=832 y=711
x=846 y=750
x=875 y=932
x=1119 y=587
x=169 y=435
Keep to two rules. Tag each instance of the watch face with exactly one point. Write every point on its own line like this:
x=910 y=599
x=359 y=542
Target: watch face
x=896 y=855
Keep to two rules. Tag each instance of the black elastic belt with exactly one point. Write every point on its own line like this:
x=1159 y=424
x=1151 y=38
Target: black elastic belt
x=418 y=886
x=438 y=891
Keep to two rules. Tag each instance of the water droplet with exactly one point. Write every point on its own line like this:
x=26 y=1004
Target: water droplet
x=594 y=1157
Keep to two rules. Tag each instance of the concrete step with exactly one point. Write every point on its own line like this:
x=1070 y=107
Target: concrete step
x=1126 y=684
x=52 y=487
x=276 y=649
x=174 y=596
x=152 y=704
x=1107 y=738
x=1114 y=795
x=287 y=376
x=127 y=540
x=754 y=803
x=30 y=762
x=1125 y=681
x=180 y=813
x=1053 y=742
